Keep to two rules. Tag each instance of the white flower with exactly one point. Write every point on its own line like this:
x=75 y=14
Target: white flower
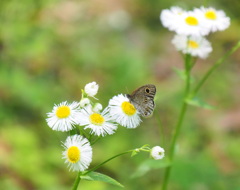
x=123 y=112
x=214 y=19
x=194 y=45
x=97 y=107
x=100 y=123
x=91 y=89
x=169 y=18
x=77 y=153
x=191 y=23
x=63 y=116
x=157 y=153
x=84 y=102
x=184 y=22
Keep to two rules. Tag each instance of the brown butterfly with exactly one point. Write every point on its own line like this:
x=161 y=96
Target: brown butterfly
x=143 y=99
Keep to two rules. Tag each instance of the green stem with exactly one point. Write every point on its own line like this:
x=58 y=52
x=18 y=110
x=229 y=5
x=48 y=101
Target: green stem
x=77 y=181
x=95 y=140
x=217 y=63
x=180 y=121
x=172 y=147
x=188 y=66
x=83 y=133
x=96 y=167
x=78 y=178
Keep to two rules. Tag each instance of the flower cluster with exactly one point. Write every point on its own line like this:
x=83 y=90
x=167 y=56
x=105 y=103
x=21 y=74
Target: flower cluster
x=91 y=119
x=66 y=116
x=191 y=27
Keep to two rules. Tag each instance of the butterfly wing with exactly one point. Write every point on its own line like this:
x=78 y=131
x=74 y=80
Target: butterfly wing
x=143 y=99
x=145 y=110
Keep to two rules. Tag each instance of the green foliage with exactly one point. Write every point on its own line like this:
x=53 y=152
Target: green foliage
x=50 y=49
x=182 y=74
x=199 y=103
x=149 y=165
x=95 y=176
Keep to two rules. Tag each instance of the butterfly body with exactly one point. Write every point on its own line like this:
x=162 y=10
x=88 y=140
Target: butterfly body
x=143 y=99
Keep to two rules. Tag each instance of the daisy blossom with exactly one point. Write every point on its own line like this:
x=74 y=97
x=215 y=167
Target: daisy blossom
x=157 y=153
x=91 y=89
x=97 y=107
x=214 y=19
x=169 y=18
x=77 y=153
x=84 y=102
x=195 y=45
x=100 y=124
x=123 y=112
x=63 y=116
x=191 y=23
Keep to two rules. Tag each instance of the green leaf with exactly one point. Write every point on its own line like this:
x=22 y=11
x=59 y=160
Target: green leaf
x=148 y=165
x=95 y=176
x=182 y=74
x=134 y=153
x=199 y=103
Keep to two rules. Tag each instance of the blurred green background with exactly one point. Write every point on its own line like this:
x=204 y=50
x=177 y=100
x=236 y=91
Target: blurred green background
x=50 y=49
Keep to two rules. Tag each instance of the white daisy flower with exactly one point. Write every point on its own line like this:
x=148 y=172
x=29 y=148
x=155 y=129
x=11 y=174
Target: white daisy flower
x=169 y=18
x=123 y=112
x=100 y=123
x=84 y=102
x=63 y=116
x=77 y=153
x=157 y=153
x=196 y=46
x=97 y=107
x=91 y=89
x=214 y=19
x=192 y=23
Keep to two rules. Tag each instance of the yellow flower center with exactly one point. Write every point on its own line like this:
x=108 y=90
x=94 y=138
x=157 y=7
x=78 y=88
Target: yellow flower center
x=128 y=108
x=96 y=119
x=211 y=15
x=63 y=112
x=192 y=44
x=73 y=154
x=191 y=21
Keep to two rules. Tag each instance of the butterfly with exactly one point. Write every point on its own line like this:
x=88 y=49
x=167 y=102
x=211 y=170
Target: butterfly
x=143 y=99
